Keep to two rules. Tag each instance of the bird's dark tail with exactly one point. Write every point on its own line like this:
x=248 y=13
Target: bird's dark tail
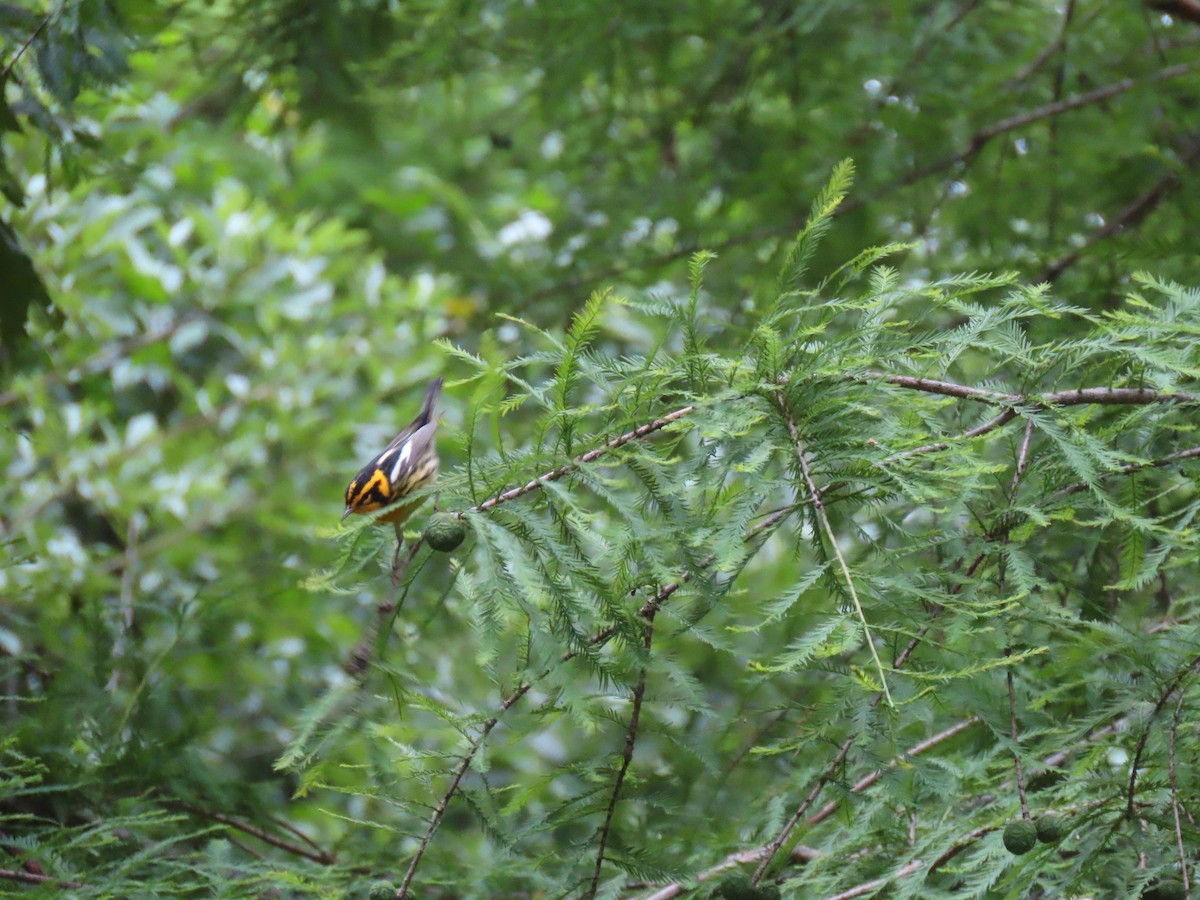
x=431 y=398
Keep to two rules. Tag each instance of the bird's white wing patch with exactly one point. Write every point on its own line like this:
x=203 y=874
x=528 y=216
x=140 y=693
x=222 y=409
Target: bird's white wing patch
x=405 y=453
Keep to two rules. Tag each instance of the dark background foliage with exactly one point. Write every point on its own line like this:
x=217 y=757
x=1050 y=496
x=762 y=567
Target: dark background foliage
x=877 y=536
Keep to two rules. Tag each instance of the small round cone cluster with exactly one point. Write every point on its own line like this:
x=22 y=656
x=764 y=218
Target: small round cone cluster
x=1050 y=829
x=1020 y=836
x=444 y=532
x=739 y=887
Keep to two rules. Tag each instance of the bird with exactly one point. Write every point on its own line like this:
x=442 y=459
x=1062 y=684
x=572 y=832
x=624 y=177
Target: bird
x=409 y=462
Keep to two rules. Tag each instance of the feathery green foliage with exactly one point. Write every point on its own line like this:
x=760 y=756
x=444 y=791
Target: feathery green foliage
x=791 y=564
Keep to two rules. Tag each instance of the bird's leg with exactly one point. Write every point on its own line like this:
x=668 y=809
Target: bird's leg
x=397 y=569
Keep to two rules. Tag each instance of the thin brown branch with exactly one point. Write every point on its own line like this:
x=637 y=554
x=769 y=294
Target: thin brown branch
x=289 y=827
x=1077 y=397
x=511 y=700
x=1050 y=110
x=974 y=144
x=947 y=388
x=827 y=774
x=1130 y=216
x=752 y=741
x=362 y=655
x=747 y=856
x=1022 y=460
x=1190 y=453
x=1172 y=778
x=1015 y=735
x=1014 y=729
x=1188 y=10
x=742 y=857
x=440 y=809
x=870 y=887
x=591 y=455
x=819 y=511
x=31 y=878
x=647 y=611
x=931 y=39
x=915 y=750
x=1145 y=736
x=323 y=857
x=1047 y=52
x=769 y=852
x=992 y=424
x=733 y=860
x=28 y=41
x=639 y=693
x=801 y=456
x=960 y=845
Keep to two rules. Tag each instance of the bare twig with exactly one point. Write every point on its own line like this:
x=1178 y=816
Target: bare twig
x=288 y=826
x=742 y=857
x=647 y=611
x=29 y=40
x=869 y=887
x=323 y=857
x=747 y=856
x=960 y=845
x=639 y=693
x=464 y=764
x=992 y=424
x=1050 y=110
x=1141 y=744
x=773 y=848
x=1077 y=397
x=974 y=144
x=1131 y=215
x=1190 y=453
x=1047 y=52
x=31 y=878
x=1015 y=734
x=769 y=852
x=567 y=468
x=1174 y=783
x=1014 y=730
x=364 y=652
x=819 y=510
x=1022 y=460
x=915 y=750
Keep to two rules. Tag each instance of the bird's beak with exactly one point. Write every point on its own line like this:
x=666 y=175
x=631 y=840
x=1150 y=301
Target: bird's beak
x=346 y=513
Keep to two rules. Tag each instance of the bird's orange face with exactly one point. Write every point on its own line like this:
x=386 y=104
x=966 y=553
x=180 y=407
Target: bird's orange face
x=369 y=490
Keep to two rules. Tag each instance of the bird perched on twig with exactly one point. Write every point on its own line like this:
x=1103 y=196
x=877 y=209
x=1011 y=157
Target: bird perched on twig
x=409 y=462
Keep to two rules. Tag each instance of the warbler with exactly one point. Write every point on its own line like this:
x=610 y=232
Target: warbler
x=409 y=462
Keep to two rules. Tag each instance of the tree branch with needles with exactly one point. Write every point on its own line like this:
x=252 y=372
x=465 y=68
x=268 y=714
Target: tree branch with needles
x=1011 y=401
x=316 y=853
x=1163 y=697
x=639 y=694
x=828 y=773
x=32 y=878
